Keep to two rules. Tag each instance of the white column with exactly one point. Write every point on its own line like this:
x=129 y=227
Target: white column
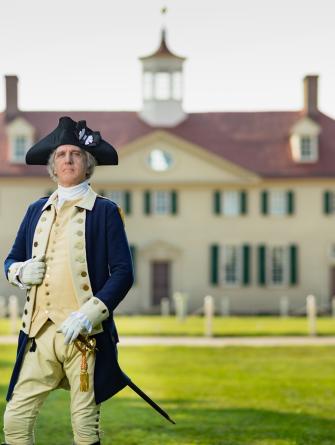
x=225 y=307
x=165 y=307
x=180 y=305
x=311 y=314
x=284 y=306
x=209 y=313
x=333 y=306
x=2 y=307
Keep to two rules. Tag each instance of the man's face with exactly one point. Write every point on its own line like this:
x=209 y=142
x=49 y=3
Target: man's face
x=70 y=165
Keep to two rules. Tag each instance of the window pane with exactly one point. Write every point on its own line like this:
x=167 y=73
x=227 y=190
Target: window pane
x=117 y=196
x=162 y=205
x=20 y=146
x=277 y=265
x=305 y=147
x=230 y=264
x=162 y=86
x=176 y=85
x=278 y=202
x=147 y=85
x=231 y=203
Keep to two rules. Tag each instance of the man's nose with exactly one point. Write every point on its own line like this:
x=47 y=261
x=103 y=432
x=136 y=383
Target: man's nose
x=68 y=158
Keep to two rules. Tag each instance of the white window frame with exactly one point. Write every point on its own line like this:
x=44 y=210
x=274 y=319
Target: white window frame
x=177 y=85
x=148 y=85
x=161 y=202
x=162 y=85
x=286 y=265
x=117 y=196
x=230 y=203
x=278 y=202
x=14 y=154
x=225 y=248
x=297 y=151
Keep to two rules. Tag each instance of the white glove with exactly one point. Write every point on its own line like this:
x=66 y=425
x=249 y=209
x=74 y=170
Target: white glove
x=32 y=271
x=77 y=323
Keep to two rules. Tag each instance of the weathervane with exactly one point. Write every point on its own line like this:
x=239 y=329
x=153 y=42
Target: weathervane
x=163 y=12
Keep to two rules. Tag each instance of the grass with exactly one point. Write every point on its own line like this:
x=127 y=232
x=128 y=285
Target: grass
x=222 y=326
x=227 y=396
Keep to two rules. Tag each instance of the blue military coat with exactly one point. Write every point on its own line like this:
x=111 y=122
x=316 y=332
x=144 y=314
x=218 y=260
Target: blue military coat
x=111 y=275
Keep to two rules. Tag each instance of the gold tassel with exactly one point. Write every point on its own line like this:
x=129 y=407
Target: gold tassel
x=84 y=381
x=85 y=345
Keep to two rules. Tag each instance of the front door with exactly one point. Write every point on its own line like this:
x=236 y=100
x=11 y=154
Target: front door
x=160 y=281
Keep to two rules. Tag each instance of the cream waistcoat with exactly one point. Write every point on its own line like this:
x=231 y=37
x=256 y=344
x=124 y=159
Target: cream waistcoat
x=55 y=296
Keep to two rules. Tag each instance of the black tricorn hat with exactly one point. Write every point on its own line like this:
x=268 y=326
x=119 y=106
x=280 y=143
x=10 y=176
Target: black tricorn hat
x=74 y=133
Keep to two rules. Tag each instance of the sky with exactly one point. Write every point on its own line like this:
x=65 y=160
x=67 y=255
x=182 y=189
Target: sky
x=242 y=55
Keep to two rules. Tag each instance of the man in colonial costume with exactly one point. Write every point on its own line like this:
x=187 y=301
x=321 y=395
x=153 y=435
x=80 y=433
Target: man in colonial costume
x=72 y=256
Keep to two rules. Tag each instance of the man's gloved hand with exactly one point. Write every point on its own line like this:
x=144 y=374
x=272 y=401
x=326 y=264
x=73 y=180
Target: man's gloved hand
x=77 y=323
x=32 y=271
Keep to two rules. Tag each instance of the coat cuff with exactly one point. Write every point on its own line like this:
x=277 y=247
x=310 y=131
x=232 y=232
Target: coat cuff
x=95 y=310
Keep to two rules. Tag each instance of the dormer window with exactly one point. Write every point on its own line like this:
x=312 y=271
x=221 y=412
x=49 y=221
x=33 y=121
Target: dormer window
x=308 y=148
x=20 y=135
x=20 y=146
x=305 y=141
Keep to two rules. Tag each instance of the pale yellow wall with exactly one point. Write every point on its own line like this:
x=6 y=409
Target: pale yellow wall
x=185 y=238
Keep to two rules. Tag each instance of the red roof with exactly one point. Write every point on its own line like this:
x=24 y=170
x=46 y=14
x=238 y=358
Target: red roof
x=258 y=141
x=163 y=50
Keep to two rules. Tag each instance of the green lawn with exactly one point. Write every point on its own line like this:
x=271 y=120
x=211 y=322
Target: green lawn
x=227 y=396
x=222 y=326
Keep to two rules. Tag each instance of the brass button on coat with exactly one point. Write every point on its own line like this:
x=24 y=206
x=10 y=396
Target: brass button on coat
x=79 y=233
x=80 y=220
x=86 y=287
x=95 y=301
x=83 y=273
x=35 y=244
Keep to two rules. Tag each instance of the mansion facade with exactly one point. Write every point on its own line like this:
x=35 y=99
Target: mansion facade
x=233 y=205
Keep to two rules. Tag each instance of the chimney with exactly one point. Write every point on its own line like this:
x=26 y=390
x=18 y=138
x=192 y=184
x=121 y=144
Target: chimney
x=11 y=96
x=311 y=94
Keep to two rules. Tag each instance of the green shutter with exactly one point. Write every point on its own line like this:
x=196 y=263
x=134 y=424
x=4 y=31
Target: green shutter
x=293 y=249
x=133 y=257
x=243 y=202
x=101 y=192
x=174 y=202
x=264 y=202
x=262 y=265
x=217 y=202
x=290 y=202
x=214 y=264
x=246 y=264
x=327 y=202
x=147 y=202
x=127 y=202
